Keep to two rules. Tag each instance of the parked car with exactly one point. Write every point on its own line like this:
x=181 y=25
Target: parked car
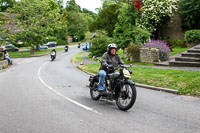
x=51 y=44
x=9 y=47
x=43 y=47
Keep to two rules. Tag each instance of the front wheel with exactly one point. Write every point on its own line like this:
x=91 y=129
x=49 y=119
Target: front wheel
x=126 y=97
x=94 y=93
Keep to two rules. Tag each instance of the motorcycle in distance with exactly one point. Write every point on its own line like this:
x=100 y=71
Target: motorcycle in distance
x=53 y=55
x=117 y=86
x=66 y=48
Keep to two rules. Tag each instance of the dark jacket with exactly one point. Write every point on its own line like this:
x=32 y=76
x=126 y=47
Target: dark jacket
x=108 y=59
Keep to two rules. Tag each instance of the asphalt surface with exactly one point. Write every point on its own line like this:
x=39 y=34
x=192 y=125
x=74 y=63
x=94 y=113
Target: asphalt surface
x=41 y=96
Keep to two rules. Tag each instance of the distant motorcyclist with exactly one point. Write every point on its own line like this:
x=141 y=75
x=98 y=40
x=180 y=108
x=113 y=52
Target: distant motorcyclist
x=53 y=54
x=79 y=45
x=109 y=59
x=66 y=48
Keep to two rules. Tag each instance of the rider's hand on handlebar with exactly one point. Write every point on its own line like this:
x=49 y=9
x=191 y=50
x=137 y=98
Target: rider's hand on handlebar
x=110 y=66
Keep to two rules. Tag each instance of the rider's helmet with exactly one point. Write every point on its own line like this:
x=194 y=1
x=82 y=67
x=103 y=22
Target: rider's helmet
x=112 y=45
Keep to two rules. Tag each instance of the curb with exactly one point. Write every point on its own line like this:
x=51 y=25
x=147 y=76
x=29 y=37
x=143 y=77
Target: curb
x=137 y=84
x=157 y=88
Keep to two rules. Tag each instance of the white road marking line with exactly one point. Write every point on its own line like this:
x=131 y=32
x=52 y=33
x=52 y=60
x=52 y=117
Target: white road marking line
x=59 y=94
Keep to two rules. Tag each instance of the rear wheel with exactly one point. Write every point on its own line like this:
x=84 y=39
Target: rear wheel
x=94 y=93
x=127 y=97
x=52 y=58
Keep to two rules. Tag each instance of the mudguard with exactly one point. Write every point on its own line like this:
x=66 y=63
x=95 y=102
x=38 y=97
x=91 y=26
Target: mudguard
x=129 y=82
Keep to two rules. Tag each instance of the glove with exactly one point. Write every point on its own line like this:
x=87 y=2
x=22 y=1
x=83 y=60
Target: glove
x=110 y=66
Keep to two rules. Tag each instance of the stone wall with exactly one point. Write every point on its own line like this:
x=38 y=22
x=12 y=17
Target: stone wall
x=173 y=29
x=149 y=55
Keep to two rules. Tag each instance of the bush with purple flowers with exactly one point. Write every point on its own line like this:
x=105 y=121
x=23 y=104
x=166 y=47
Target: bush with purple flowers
x=164 y=50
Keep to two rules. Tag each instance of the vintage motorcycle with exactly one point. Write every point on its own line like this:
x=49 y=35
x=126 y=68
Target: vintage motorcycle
x=118 y=87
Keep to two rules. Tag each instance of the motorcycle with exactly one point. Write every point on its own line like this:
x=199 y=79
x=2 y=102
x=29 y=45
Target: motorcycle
x=66 y=48
x=53 y=55
x=79 y=45
x=117 y=86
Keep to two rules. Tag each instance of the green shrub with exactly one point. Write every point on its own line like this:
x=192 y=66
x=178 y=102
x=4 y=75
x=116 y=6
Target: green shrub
x=141 y=35
x=177 y=43
x=133 y=52
x=52 y=38
x=192 y=37
x=99 y=43
x=61 y=42
x=189 y=11
x=82 y=36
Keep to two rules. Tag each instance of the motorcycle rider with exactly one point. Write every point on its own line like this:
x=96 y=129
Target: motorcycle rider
x=66 y=48
x=109 y=59
x=53 y=52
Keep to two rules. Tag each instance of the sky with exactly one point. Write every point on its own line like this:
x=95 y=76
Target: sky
x=89 y=4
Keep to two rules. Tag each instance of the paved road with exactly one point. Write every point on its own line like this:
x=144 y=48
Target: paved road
x=41 y=96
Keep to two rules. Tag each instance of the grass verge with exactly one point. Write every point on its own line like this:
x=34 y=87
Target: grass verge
x=19 y=54
x=176 y=50
x=77 y=57
x=186 y=82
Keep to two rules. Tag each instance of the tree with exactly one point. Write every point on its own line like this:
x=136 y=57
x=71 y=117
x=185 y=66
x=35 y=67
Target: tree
x=89 y=16
x=189 y=10
x=125 y=30
x=4 y=4
x=156 y=12
x=72 y=6
x=100 y=43
x=37 y=18
x=106 y=19
x=77 y=24
x=3 y=20
x=60 y=4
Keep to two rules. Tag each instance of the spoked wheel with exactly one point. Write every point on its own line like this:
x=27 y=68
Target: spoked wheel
x=94 y=93
x=127 y=97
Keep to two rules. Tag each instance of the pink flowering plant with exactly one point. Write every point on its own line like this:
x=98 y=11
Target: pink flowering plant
x=164 y=49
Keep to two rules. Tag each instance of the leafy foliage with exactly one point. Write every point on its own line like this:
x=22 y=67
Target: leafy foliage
x=164 y=50
x=37 y=18
x=156 y=12
x=60 y=4
x=99 y=43
x=177 y=43
x=192 y=36
x=3 y=21
x=77 y=24
x=189 y=10
x=5 y=4
x=126 y=31
x=72 y=6
x=106 y=19
x=133 y=51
